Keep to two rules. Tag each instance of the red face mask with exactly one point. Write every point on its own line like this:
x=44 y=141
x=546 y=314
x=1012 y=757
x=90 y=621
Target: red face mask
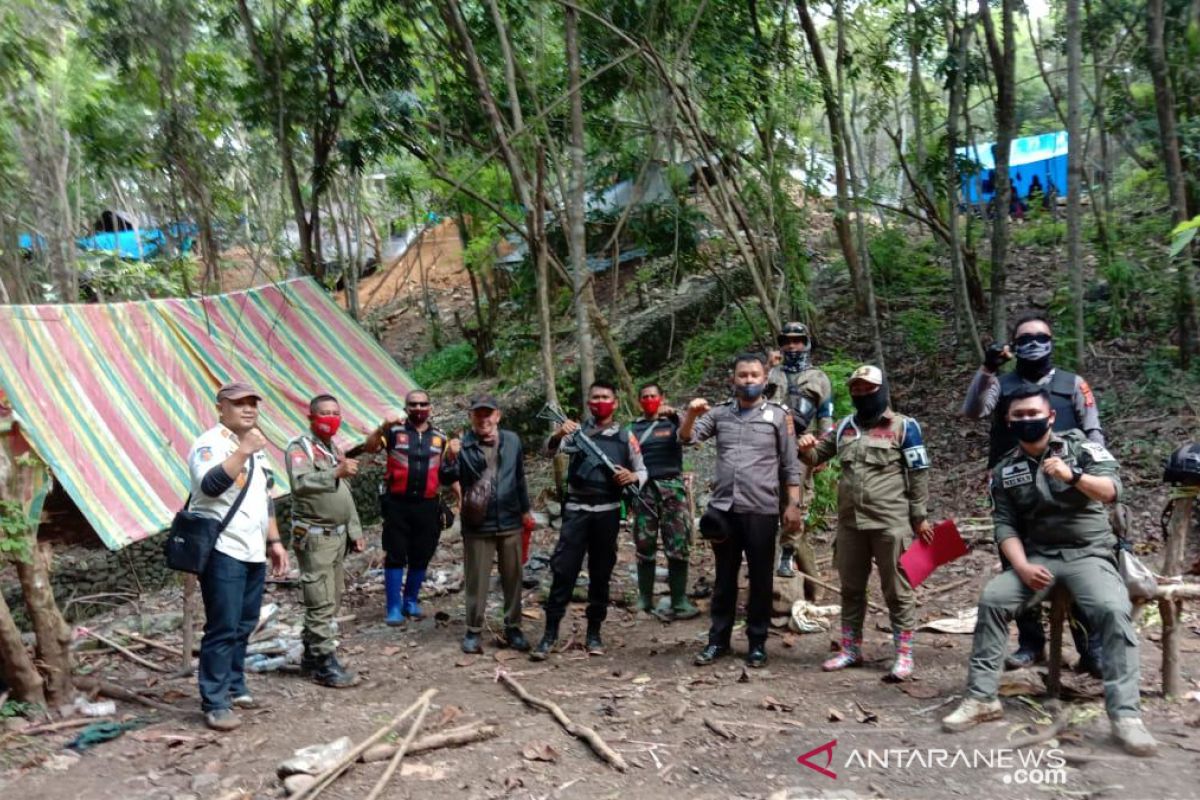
x=325 y=425
x=650 y=404
x=602 y=409
x=417 y=416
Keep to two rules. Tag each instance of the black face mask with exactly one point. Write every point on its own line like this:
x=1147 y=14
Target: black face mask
x=1029 y=430
x=1033 y=359
x=868 y=408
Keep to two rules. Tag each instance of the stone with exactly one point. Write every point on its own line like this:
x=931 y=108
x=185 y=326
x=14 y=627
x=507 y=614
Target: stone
x=205 y=780
x=297 y=783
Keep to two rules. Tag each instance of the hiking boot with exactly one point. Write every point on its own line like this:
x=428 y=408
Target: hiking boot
x=1020 y=659
x=222 y=719
x=902 y=667
x=593 y=643
x=677 y=576
x=308 y=661
x=645 y=578
x=330 y=673
x=393 y=585
x=710 y=654
x=757 y=657
x=542 y=651
x=971 y=712
x=786 y=559
x=849 y=656
x=1133 y=736
x=516 y=639
x=470 y=643
x=244 y=700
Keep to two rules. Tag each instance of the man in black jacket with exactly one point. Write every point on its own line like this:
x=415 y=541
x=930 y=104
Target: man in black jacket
x=489 y=464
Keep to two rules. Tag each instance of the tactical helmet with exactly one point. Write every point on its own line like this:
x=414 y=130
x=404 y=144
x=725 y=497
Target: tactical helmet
x=1183 y=467
x=791 y=330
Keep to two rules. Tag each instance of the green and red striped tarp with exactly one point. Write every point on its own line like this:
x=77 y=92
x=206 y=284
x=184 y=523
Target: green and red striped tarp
x=111 y=396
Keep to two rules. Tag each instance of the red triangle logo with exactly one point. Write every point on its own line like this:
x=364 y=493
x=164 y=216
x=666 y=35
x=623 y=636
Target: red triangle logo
x=827 y=749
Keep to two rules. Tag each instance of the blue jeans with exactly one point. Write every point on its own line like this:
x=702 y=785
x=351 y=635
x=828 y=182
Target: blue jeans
x=232 y=592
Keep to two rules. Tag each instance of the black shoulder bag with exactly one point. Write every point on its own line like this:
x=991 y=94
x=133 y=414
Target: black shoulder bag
x=193 y=536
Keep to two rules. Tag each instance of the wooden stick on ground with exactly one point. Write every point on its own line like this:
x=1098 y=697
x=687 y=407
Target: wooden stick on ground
x=456 y=737
x=330 y=775
x=125 y=651
x=719 y=728
x=831 y=588
x=598 y=745
x=142 y=640
x=400 y=751
x=51 y=727
x=1057 y=727
x=111 y=690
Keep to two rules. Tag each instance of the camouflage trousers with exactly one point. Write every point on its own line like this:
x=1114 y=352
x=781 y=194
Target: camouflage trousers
x=664 y=515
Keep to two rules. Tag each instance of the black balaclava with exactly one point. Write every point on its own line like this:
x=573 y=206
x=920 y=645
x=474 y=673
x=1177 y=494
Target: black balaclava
x=868 y=408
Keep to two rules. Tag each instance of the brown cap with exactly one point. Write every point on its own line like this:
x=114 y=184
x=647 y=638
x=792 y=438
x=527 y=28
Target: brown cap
x=867 y=373
x=236 y=390
x=483 y=401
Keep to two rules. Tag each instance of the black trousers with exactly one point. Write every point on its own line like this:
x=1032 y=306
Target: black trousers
x=753 y=535
x=411 y=529
x=590 y=533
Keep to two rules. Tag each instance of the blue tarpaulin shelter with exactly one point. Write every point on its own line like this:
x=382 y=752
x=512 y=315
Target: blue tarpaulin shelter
x=1043 y=156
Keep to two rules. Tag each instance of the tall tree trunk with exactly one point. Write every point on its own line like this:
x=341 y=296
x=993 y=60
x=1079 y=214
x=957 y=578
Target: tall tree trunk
x=541 y=261
x=1003 y=55
x=959 y=39
x=1100 y=114
x=833 y=111
x=53 y=633
x=1074 y=173
x=576 y=238
x=916 y=90
x=1168 y=139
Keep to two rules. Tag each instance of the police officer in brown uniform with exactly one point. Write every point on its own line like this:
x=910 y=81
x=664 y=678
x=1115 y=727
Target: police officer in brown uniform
x=882 y=499
x=324 y=525
x=756 y=450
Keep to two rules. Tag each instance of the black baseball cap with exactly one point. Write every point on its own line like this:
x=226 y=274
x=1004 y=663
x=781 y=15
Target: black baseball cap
x=483 y=401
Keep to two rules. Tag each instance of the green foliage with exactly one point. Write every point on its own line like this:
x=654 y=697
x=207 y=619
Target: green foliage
x=16 y=708
x=1040 y=230
x=824 y=501
x=904 y=266
x=115 y=278
x=1182 y=235
x=15 y=541
x=712 y=347
x=451 y=363
x=922 y=330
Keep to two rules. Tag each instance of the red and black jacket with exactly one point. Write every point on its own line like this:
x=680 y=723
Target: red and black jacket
x=413 y=460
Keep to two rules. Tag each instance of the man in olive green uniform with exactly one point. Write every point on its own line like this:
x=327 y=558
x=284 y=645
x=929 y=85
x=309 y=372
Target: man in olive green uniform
x=808 y=396
x=882 y=498
x=1049 y=494
x=324 y=523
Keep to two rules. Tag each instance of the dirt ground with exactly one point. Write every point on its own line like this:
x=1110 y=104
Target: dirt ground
x=644 y=697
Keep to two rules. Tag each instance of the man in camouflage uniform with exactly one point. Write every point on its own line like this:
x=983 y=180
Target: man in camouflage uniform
x=1050 y=494
x=882 y=501
x=808 y=395
x=665 y=511
x=324 y=524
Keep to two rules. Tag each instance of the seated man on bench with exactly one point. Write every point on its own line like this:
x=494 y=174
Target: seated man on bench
x=1049 y=494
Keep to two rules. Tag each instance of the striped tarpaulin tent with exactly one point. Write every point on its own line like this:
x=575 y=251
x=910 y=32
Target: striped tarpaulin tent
x=111 y=396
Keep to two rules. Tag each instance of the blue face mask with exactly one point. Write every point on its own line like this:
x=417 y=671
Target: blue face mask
x=752 y=391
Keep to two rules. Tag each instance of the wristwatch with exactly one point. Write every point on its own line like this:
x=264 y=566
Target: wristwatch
x=1076 y=475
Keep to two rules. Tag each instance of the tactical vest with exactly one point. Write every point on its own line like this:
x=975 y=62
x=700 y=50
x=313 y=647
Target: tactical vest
x=591 y=480
x=1062 y=397
x=413 y=459
x=661 y=450
x=799 y=406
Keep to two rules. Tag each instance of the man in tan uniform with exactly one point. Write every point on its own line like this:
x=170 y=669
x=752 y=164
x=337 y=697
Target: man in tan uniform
x=324 y=524
x=808 y=396
x=882 y=498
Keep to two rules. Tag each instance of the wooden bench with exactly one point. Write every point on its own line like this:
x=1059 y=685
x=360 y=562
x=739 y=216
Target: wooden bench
x=1169 y=597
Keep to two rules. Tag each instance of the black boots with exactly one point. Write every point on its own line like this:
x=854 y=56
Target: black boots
x=593 y=643
x=329 y=672
x=516 y=639
x=470 y=643
x=710 y=654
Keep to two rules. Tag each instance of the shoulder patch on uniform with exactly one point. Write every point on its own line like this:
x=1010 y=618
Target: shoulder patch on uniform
x=634 y=446
x=1089 y=399
x=204 y=454
x=912 y=445
x=1098 y=452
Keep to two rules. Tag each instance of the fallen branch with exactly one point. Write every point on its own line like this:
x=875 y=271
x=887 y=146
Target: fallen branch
x=1178 y=591
x=330 y=775
x=1042 y=736
x=112 y=691
x=400 y=751
x=598 y=745
x=125 y=651
x=466 y=734
x=142 y=640
x=51 y=727
x=719 y=728
x=831 y=588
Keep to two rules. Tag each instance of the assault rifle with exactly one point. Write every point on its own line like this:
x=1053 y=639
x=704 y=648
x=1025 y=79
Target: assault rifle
x=593 y=455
